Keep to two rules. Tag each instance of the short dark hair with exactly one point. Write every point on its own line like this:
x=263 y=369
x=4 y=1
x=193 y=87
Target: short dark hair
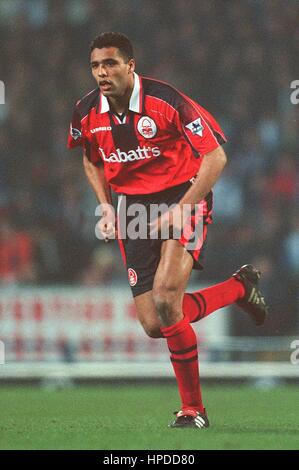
x=111 y=39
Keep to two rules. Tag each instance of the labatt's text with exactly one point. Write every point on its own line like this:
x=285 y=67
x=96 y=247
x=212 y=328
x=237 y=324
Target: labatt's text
x=140 y=153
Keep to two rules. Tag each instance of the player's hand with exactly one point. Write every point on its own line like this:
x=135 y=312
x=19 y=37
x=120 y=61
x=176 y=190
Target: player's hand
x=106 y=227
x=168 y=225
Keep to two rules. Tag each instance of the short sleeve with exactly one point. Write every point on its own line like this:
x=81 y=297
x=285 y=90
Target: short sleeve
x=92 y=152
x=75 y=135
x=199 y=127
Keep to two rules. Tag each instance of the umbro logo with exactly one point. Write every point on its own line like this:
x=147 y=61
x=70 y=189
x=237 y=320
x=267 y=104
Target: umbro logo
x=98 y=129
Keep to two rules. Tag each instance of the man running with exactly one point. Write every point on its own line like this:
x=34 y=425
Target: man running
x=153 y=145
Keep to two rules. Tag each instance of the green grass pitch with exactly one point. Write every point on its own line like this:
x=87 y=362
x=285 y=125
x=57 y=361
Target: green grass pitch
x=111 y=417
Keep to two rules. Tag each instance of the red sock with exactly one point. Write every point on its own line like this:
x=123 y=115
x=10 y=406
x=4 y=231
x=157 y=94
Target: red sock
x=182 y=344
x=201 y=303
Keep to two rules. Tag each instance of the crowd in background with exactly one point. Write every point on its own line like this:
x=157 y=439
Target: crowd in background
x=237 y=59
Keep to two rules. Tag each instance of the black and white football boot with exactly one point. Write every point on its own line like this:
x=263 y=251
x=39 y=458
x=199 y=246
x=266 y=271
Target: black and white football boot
x=190 y=419
x=253 y=302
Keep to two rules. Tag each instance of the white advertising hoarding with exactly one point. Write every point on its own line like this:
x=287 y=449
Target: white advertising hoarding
x=77 y=323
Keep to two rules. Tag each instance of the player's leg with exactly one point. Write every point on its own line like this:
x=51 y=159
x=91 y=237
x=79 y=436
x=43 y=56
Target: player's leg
x=141 y=259
x=147 y=314
x=200 y=304
x=242 y=288
x=170 y=282
x=169 y=285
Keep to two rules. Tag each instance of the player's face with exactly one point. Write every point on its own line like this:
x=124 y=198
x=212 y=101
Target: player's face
x=112 y=73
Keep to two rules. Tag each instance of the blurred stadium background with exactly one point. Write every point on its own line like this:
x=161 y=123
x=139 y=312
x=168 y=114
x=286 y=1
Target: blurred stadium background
x=65 y=309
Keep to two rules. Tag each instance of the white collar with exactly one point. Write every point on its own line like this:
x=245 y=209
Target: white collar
x=135 y=103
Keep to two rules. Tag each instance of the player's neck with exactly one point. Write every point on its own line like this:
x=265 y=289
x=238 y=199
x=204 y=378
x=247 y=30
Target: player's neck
x=120 y=104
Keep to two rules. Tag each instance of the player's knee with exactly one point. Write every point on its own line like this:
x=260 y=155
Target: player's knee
x=164 y=296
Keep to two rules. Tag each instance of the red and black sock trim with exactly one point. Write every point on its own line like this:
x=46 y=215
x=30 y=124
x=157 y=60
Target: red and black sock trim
x=201 y=304
x=182 y=344
x=190 y=359
x=183 y=355
x=184 y=351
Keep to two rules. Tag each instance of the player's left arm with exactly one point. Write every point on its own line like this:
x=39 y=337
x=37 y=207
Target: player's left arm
x=210 y=170
x=205 y=137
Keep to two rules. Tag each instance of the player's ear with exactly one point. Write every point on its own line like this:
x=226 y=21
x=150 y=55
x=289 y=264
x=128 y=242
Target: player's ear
x=131 y=65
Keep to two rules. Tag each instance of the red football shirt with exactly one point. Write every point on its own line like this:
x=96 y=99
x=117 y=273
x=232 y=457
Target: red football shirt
x=158 y=145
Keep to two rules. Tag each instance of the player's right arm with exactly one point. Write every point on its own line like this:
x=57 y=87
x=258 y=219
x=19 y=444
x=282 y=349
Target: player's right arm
x=96 y=178
x=94 y=172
